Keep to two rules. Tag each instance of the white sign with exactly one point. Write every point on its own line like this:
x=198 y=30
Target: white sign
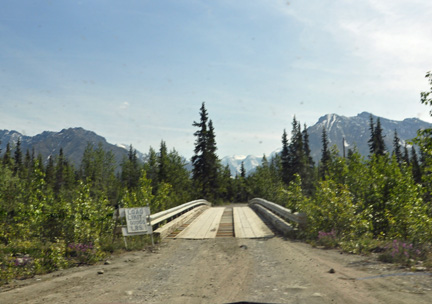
x=136 y=221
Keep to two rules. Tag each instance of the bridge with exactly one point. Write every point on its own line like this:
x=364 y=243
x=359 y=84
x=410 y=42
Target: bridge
x=198 y=220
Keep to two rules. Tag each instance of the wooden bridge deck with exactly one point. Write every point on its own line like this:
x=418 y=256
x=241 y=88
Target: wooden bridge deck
x=247 y=224
x=245 y=221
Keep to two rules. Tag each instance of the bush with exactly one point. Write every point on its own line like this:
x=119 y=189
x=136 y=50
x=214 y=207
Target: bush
x=400 y=252
x=327 y=239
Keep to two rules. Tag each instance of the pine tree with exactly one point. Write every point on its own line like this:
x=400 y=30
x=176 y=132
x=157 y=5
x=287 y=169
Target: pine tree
x=285 y=159
x=376 y=141
x=7 y=159
x=199 y=158
x=163 y=163
x=18 y=157
x=325 y=155
x=131 y=170
x=242 y=170
x=296 y=152
x=306 y=148
x=151 y=167
x=213 y=161
x=205 y=161
x=397 y=148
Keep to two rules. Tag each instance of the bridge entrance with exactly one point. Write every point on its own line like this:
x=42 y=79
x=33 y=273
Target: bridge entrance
x=219 y=222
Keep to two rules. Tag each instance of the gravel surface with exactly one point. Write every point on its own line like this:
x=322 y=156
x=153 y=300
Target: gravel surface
x=227 y=270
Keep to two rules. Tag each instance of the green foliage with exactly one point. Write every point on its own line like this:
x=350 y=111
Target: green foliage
x=56 y=216
x=332 y=209
x=205 y=162
x=292 y=196
x=400 y=252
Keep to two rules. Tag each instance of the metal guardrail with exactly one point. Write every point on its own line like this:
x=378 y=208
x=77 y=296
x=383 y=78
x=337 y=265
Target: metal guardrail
x=277 y=215
x=166 y=214
x=286 y=214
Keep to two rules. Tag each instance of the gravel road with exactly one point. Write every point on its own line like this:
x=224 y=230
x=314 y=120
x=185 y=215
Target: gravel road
x=227 y=270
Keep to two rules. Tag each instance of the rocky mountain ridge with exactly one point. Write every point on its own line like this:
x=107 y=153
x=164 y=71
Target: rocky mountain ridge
x=353 y=131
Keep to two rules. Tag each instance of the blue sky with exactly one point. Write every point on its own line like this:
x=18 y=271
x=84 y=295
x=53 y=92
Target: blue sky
x=136 y=72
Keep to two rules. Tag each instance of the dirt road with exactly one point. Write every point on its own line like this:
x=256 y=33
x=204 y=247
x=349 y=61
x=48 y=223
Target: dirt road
x=228 y=270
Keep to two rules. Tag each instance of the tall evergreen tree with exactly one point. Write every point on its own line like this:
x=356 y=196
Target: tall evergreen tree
x=296 y=152
x=131 y=170
x=376 y=141
x=285 y=159
x=213 y=160
x=242 y=170
x=151 y=167
x=7 y=158
x=397 y=148
x=18 y=157
x=163 y=162
x=205 y=161
x=306 y=148
x=325 y=155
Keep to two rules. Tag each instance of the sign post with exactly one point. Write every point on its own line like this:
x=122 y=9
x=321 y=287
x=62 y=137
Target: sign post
x=137 y=222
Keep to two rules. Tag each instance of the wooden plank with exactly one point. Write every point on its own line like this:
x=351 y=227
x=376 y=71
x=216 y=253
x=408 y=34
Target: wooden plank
x=247 y=224
x=205 y=226
x=168 y=228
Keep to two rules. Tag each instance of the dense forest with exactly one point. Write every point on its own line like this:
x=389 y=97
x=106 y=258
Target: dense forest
x=54 y=215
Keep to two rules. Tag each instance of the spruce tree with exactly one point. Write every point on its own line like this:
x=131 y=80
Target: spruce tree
x=306 y=148
x=205 y=161
x=151 y=167
x=7 y=159
x=325 y=155
x=131 y=170
x=397 y=148
x=285 y=159
x=242 y=170
x=212 y=159
x=163 y=163
x=296 y=152
x=18 y=157
x=376 y=141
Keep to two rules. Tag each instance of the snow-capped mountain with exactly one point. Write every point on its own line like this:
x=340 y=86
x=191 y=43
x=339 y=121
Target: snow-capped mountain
x=354 y=132
x=234 y=162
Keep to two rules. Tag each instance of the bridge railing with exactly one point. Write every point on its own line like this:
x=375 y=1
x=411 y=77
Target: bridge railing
x=171 y=216
x=280 y=217
x=159 y=217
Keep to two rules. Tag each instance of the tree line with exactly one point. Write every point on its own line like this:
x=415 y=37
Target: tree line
x=53 y=214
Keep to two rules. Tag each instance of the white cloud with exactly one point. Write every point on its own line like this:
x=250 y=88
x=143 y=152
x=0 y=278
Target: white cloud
x=124 y=106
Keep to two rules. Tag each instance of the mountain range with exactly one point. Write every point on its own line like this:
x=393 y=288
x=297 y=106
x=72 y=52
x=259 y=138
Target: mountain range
x=353 y=132
x=73 y=141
